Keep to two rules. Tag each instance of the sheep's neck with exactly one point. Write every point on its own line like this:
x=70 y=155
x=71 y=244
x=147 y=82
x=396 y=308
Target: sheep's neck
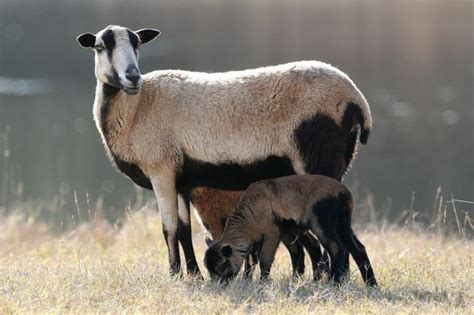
x=114 y=112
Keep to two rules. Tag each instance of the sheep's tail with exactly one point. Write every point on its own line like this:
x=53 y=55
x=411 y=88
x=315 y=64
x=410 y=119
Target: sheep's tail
x=364 y=118
x=365 y=123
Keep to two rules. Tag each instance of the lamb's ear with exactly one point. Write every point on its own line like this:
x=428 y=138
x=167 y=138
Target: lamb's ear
x=226 y=251
x=86 y=40
x=147 y=34
x=209 y=242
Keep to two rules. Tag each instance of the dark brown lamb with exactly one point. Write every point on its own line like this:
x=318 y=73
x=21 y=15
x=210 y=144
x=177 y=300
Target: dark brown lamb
x=269 y=208
x=215 y=206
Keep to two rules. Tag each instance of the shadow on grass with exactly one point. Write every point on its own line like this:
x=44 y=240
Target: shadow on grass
x=249 y=293
x=409 y=294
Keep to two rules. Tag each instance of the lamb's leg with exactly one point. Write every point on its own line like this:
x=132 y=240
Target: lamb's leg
x=165 y=190
x=358 y=252
x=314 y=250
x=270 y=243
x=331 y=243
x=250 y=262
x=185 y=237
x=291 y=240
x=335 y=165
x=325 y=265
x=345 y=263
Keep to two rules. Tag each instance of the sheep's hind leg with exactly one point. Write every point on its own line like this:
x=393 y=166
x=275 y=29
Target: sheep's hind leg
x=318 y=261
x=358 y=252
x=331 y=243
x=293 y=244
x=185 y=237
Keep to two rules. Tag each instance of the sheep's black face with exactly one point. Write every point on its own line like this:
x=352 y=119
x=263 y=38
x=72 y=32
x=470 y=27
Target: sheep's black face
x=220 y=262
x=116 y=55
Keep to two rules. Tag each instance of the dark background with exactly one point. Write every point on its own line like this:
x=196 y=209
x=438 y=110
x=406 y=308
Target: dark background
x=413 y=60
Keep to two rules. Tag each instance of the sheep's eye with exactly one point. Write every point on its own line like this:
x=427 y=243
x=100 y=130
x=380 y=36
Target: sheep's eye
x=99 y=48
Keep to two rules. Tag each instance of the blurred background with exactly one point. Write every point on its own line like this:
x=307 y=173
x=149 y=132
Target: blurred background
x=413 y=60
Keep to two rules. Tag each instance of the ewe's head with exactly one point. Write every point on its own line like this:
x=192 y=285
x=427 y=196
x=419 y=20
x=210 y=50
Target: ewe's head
x=116 y=55
x=222 y=261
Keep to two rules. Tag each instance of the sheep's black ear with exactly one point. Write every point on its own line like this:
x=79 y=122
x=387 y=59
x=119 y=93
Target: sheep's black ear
x=226 y=251
x=147 y=34
x=86 y=40
x=209 y=242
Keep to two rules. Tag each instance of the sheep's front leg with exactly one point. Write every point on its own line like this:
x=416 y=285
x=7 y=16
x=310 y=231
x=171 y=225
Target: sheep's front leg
x=271 y=239
x=185 y=237
x=165 y=190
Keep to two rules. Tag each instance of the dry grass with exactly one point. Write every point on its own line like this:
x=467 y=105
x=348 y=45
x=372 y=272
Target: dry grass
x=100 y=269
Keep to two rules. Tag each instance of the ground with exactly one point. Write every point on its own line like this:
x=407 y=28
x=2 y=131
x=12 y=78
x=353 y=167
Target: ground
x=98 y=268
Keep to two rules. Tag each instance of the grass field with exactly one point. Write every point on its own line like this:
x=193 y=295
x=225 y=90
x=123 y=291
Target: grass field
x=97 y=268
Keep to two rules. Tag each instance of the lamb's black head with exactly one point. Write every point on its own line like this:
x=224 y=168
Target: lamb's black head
x=116 y=55
x=221 y=261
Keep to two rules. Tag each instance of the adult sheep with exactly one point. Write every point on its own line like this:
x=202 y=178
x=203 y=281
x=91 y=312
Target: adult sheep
x=174 y=130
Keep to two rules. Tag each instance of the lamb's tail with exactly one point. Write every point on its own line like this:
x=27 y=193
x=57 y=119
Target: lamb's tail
x=364 y=118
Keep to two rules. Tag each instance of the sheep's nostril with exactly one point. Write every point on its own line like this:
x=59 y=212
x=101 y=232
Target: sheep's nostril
x=133 y=78
x=133 y=75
